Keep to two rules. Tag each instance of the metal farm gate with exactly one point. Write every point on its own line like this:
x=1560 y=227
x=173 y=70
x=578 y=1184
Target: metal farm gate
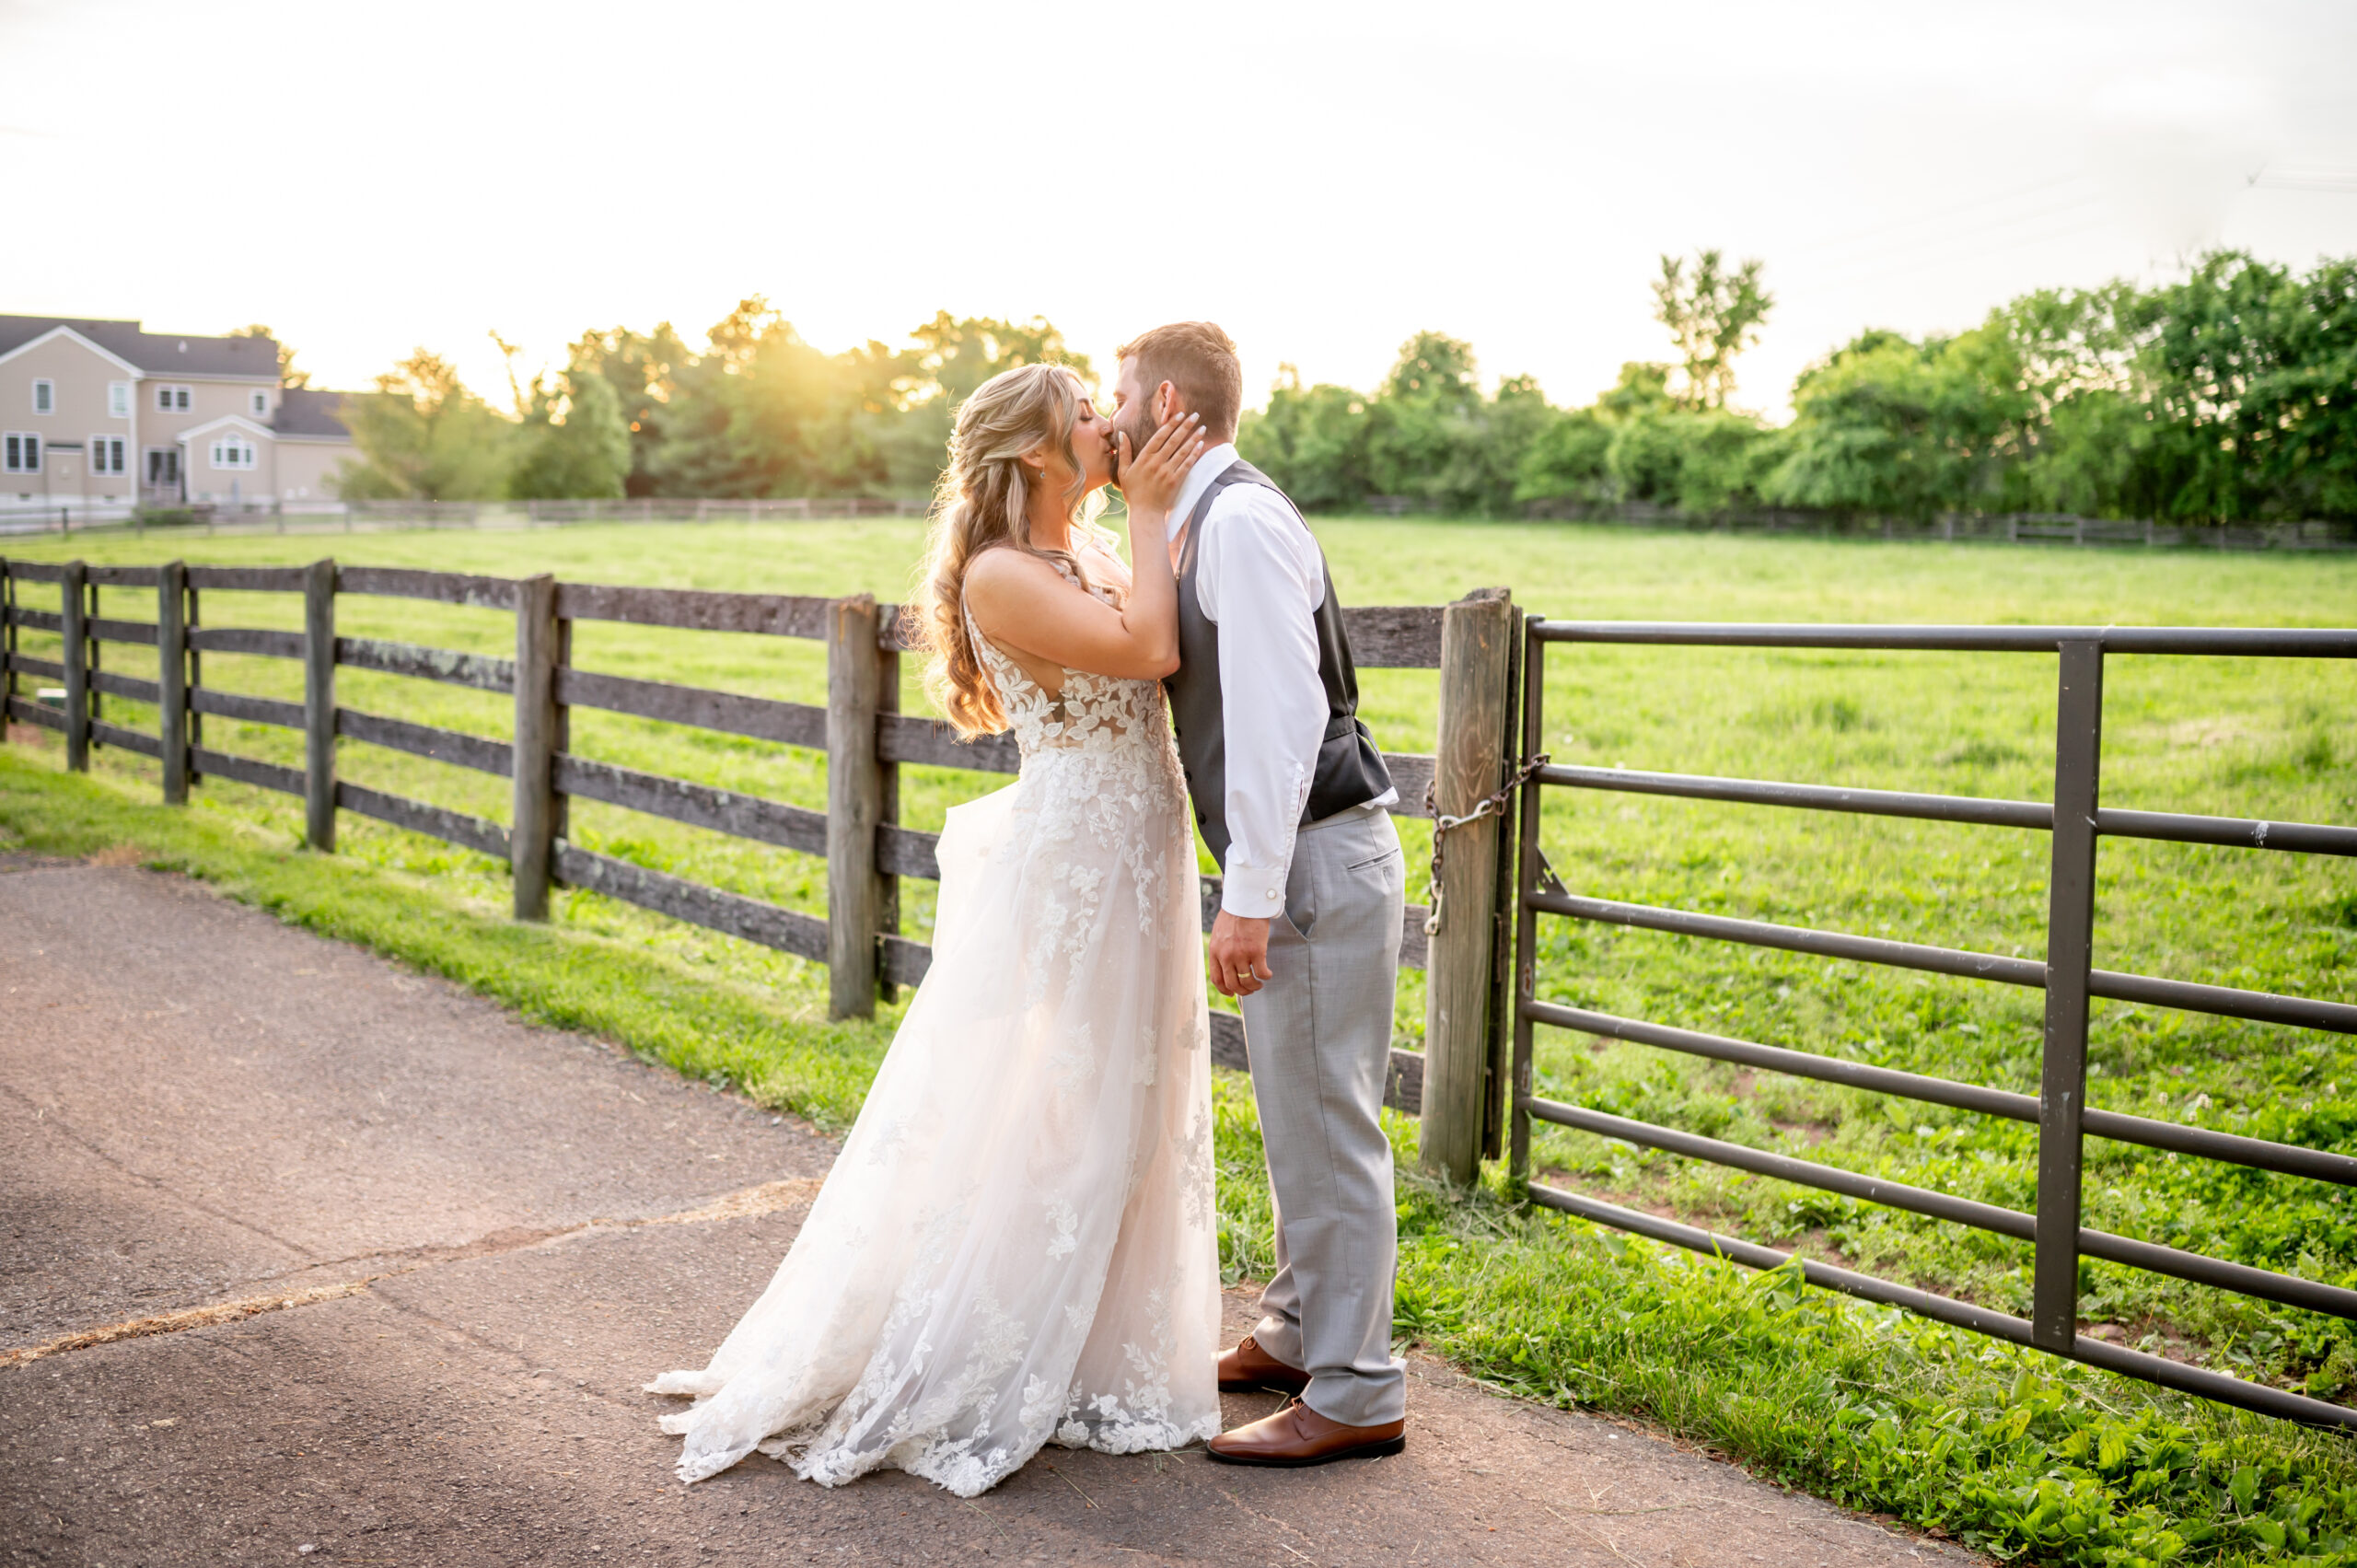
x=2076 y=821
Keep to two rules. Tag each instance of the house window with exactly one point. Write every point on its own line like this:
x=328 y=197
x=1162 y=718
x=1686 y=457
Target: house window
x=23 y=452
x=260 y=403
x=118 y=400
x=172 y=400
x=163 y=465
x=233 y=452
x=107 y=455
x=44 y=397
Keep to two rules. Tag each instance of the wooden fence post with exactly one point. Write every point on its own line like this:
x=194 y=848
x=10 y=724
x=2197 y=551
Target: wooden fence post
x=78 y=669
x=94 y=659
x=855 y=807
x=1476 y=661
x=560 y=810
x=196 y=719
x=532 y=836
x=888 y=701
x=1497 y=1090
x=8 y=645
x=171 y=668
x=319 y=705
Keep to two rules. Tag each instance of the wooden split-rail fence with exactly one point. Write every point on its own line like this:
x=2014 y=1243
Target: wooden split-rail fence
x=1455 y=1083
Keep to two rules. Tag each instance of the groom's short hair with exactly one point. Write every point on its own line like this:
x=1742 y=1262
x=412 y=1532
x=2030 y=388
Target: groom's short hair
x=1199 y=360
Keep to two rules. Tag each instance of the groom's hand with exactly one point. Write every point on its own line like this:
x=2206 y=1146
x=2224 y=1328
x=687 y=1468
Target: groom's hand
x=1240 y=954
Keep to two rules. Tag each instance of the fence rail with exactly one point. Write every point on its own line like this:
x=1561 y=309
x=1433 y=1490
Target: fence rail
x=866 y=740
x=2075 y=821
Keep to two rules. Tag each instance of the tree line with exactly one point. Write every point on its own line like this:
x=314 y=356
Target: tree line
x=2227 y=395
x=756 y=413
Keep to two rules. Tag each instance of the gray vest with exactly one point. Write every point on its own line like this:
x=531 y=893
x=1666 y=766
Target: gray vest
x=1349 y=770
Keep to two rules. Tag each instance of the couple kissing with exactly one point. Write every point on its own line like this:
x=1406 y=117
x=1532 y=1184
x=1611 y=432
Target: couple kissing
x=1017 y=1244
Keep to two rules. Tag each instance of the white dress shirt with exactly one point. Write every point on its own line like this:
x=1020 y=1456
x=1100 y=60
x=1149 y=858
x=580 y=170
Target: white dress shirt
x=1260 y=578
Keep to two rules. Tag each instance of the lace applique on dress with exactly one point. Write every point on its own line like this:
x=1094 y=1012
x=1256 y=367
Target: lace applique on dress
x=1085 y=711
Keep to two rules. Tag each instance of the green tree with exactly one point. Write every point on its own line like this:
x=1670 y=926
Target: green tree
x=1887 y=424
x=1570 y=458
x=1431 y=435
x=572 y=442
x=1643 y=387
x=957 y=353
x=2253 y=376
x=764 y=413
x=2312 y=468
x=1421 y=420
x=759 y=414
x=1312 y=441
x=423 y=436
x=917 y=392
x=1565 y=460
x=640 y=367
x=1713 y=315
x=1488 y=468
x=1693 y=459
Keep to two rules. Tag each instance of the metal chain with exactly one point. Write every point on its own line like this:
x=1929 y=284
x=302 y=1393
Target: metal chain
x=1488 y=806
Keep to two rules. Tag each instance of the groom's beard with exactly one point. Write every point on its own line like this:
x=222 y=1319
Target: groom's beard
x=1113 y=449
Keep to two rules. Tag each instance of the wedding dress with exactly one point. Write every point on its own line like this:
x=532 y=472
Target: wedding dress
x=1016 y=1244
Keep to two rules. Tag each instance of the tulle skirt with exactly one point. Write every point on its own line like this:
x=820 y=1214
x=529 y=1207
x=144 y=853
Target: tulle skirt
x=1017 y=1244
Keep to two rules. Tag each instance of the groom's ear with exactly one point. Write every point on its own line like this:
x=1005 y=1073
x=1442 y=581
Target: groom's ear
x=1166 y=402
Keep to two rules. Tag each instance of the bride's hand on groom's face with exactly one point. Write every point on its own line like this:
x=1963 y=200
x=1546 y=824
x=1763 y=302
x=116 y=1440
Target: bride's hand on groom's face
x=1151 y=479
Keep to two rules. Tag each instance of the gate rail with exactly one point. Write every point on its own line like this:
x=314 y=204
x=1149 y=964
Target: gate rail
x=2077 y=821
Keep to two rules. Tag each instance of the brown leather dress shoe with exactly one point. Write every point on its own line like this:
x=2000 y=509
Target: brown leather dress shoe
x=1298 y=1435
x=1247 y=1368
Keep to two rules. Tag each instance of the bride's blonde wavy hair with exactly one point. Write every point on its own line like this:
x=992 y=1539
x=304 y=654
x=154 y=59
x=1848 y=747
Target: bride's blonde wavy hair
x=982 y=502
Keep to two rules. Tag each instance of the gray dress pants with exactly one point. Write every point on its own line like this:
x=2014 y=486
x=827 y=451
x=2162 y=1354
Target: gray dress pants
x=1319 y=1039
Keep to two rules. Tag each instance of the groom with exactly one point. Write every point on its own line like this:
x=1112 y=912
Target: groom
x=1290 y=793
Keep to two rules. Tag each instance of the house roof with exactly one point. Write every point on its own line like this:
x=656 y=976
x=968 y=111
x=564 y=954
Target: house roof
x=226 y=422
x=62 y=332
x=303 y=411
x=156 y=353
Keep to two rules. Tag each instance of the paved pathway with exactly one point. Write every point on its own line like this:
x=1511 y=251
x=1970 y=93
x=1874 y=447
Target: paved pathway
x=475 y=1239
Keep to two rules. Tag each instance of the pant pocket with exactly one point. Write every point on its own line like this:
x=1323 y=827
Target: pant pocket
x=1300 y=911
x=1378 y=856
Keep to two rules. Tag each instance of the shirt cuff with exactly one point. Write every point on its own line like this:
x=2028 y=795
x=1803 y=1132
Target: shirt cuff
x=1253 y=893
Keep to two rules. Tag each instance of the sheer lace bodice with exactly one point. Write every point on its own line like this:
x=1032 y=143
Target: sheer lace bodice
x=1086 y=712
x=1017 y=1244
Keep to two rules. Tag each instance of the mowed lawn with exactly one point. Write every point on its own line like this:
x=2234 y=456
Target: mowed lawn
x=2256 y=737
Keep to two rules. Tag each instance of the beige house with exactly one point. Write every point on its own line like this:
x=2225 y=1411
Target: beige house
x=104 y=415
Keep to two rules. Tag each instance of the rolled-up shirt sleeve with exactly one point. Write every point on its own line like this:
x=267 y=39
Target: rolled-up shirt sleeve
x=1260 y=579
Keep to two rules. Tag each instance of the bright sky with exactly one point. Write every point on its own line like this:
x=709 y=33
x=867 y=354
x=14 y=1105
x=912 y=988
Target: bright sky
x=1322 y=178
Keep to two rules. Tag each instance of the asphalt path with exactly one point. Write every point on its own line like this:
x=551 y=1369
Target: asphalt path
x=307 y=1259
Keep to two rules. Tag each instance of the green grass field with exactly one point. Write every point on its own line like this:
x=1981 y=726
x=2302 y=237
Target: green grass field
x=1638 y=1329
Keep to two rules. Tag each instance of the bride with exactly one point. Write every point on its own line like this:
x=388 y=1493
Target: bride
x=1017 y=1243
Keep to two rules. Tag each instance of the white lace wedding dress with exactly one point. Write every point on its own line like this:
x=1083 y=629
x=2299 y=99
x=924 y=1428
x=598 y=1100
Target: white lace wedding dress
x=1016 y=1244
